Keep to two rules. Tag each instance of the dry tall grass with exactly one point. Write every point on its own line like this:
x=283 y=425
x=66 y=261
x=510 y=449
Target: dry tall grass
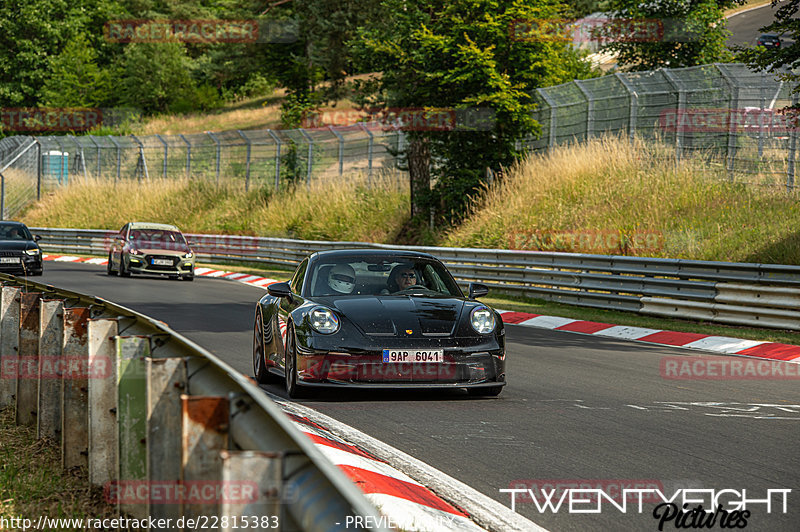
x=580 y=196
x=351 y=208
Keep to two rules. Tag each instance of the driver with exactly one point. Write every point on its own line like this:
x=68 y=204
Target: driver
x=342 y=278
x=402 y=278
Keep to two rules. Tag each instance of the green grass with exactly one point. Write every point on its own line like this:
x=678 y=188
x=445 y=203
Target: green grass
x=32 y=483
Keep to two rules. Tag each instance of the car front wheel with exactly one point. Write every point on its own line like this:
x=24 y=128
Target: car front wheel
x=294 y=390
x=259 y=368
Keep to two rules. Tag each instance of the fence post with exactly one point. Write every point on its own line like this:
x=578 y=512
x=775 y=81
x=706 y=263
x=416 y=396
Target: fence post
x=188 y=156
x=38 y=170
x=681 y=111
x=2 y=196
x=9 y=343
x=119 y=156
x=369 y=147
x=141 y=160
x=551 y=142
x=341 y=149
x=277 y=158
x=166 y=154
x=79 y=155
x=589 y=108
x=792 y=147
x=310 y=153
x=51 y=368
x=98 y=154
x=733 y=107
x=74 y=397
x=103 y=441
x=27 y=386
x=634 y=105
x=216 y=141
x=61 y=161
x=247 y=163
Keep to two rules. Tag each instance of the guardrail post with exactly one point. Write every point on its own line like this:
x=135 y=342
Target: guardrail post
x=75 y=394
x=103 y=401
x=216 y=141
x=27 y=379
x=277 y=159
x=260 y=476
x=119 y=157
x=132 y=416
x=310 y=155
x=634 y=105
x=9 y=343
x=341 y=149
x=188 y=155
x=551 y=141
x=51 y=368
x=369 y=146
x=166 y=382
x=166 y=154
x=206 y=421
x=247 y=163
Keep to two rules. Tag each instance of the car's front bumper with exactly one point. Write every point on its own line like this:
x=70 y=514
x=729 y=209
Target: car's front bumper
x=25 y=264
x=149 y=264
x=480 y=364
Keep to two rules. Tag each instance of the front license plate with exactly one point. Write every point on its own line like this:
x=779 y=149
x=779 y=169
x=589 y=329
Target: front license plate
x=162 y=262
x=9 y=260
x=398 y=355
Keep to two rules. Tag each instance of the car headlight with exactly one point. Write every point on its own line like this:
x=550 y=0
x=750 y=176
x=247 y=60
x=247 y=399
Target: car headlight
x=32 y=251
x=482 y=320
x=188 y=255
x=134 y=251
x=323 y=320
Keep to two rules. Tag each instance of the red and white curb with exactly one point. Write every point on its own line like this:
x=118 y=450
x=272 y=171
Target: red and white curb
x=703 y=342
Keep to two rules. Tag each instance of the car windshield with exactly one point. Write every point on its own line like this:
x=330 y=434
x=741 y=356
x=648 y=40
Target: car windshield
x=380 y=276
x=14 y=232
x=157 y=238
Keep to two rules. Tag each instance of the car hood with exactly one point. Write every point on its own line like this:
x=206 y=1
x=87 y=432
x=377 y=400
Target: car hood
x=16 y=245
x=390 y=315
x=172 y=250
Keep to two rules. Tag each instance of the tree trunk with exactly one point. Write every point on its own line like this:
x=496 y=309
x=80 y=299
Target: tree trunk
x=419 y=172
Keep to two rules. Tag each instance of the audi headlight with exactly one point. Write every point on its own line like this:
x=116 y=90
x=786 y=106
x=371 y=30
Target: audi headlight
x=323 y=320
x=482 y=320
x=134 y=251
x=188 y=255
x=32 y=251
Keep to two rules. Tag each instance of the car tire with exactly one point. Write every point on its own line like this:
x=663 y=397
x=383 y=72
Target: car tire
x=109 y=269
x=175 y=277
x=188 y=277
x=123 y=271
x=294 y=390
x=260 y=371
x=491 y=391
x=37 y=273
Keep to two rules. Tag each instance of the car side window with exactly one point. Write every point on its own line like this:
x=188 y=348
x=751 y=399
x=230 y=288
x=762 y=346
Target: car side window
x=297 y=281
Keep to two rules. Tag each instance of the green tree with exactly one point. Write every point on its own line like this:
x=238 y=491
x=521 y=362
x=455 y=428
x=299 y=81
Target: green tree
x=75 y=79
x=674 y=33
x=155 y=77
x=461 y=55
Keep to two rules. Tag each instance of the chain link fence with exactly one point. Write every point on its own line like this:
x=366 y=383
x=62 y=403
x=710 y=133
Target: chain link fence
x=726 y=114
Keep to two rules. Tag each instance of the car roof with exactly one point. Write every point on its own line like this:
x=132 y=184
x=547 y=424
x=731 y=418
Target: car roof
x=772 y=35
x=370 y=252
x=148 y=225
x=11 y=222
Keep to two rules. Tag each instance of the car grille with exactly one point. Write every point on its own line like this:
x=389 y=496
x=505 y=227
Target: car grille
x=10 y=253
x=158 y=267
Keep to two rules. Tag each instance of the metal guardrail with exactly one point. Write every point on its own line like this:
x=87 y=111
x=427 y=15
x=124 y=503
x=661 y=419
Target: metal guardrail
x=765 y=295
x=166 y=428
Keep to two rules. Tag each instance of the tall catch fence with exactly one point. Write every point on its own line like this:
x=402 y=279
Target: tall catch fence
x=724 y=114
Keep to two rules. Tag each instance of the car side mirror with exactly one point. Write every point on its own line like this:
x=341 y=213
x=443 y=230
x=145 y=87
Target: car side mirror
x=36 y=238
x=477 y=290
x=280 y=290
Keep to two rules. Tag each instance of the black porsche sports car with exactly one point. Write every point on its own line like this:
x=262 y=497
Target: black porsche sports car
x=377 y=319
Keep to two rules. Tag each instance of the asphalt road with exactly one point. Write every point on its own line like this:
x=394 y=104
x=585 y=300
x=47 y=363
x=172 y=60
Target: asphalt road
x=744 y=27
x=576 y=408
